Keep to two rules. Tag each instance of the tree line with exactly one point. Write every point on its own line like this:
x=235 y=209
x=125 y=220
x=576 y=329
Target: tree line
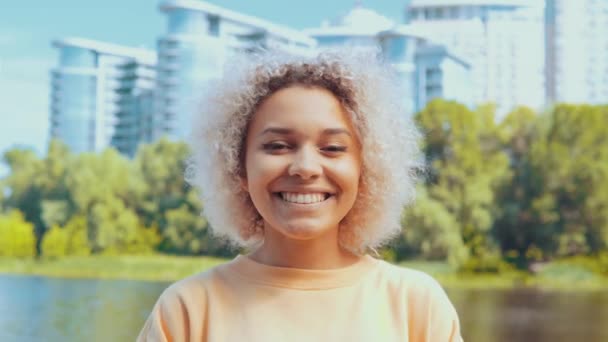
x=532 y=187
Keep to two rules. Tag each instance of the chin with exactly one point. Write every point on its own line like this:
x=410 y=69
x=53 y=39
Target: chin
x=303 y=230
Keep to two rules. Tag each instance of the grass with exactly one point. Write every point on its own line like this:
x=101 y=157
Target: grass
x=558 y=275
x=146 y=267
x=448 y=276
x=566 y=275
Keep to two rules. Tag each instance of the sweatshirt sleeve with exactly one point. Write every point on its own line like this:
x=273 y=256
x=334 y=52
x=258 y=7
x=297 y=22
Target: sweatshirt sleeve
x=170 y=319
x=444 y=322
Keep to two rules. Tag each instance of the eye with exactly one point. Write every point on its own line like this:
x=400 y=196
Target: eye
x=275 y=146
x=335 y=148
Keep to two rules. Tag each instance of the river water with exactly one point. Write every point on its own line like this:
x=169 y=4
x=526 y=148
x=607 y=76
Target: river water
x=48 y=309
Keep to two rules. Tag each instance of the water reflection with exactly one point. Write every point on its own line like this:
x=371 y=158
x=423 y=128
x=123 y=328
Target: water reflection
x=46 y=309
x=532 y=315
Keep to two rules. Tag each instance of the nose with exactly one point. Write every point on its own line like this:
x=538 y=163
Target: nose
x=305 y=163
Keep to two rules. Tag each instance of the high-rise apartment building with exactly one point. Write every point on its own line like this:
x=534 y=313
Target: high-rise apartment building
x=441 y=74
x=199 y=37
x=101 y=95
x=427 y=70
x=358 y=27
x=503 y=40
x=509 y=52
x=577 y=51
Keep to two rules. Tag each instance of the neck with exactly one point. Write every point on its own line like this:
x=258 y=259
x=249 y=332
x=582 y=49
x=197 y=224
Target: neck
x=323 y=252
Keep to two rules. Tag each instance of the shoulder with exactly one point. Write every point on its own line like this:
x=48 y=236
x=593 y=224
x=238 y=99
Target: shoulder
x=419 y=290
x=181 y=309
x=194 y=288
x=409 y=279
x=423 y=295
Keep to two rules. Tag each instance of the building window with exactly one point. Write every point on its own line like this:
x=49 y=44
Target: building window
x=183 y=21
x=413 y=13
x=214 y=25
x=468 y=12
x=433 y=90
x=439 y=13
x=432 y=74
x=454 y=12
x=77 y=57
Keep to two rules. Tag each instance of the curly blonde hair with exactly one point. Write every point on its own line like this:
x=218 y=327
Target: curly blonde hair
x=370 y=94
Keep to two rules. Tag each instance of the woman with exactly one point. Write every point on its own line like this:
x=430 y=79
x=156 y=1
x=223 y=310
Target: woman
x=307 y=162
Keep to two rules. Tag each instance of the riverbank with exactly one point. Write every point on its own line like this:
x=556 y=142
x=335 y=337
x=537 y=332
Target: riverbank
x=146 y=267
x=164 y=268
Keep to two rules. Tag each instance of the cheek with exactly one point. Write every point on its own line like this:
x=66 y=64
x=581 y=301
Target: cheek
x=262 y=169
x=347 y=174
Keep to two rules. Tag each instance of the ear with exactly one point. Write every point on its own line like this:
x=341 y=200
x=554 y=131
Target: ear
x=244 y=184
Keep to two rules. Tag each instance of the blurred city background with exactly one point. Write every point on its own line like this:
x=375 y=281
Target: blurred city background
x=96 y=99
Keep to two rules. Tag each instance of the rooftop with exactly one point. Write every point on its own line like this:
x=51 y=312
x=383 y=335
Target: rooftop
x=139 y=54
x=432 y=48
x=442 y=3
x=402 y=30
x=359 y=21
x=229 y=15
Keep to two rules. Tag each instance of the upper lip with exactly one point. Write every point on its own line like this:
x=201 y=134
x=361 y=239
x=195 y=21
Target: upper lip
x=308 y=191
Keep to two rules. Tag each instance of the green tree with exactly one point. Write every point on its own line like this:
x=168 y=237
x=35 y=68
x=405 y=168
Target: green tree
x=55 y=243
x=3 y=191
x=171 y=204
x=77 y=232
x=22 y=186
x=466 y=165
x=16 y=236
x=556 y=202
x=37 y=186
x=104 y=188
x=519 y=226
x=430 y=232
x=572 y=159
x=56 y=203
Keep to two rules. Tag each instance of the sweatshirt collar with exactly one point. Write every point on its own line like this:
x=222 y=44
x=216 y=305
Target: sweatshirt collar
x=298 y=278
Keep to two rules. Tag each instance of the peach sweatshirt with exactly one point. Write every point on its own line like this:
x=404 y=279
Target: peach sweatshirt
x=243 y=300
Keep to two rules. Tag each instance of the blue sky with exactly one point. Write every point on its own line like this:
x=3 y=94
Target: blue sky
x=27 y=28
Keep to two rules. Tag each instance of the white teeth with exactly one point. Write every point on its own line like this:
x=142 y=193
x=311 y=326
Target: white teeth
x=302 y=198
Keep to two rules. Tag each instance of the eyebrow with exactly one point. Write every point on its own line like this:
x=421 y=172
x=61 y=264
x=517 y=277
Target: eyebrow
x=288 y=131
x=277 y=130
x=333 y=131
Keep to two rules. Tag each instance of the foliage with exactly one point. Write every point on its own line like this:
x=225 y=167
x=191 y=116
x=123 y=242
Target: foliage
x=55 y=242
x=77 y=231
x=524 y=191
x=104 y=203
x=517 y=225
x=556 y=203
x=572 y=159
x=69 y=240
x=155 y=267
x=430 y=232
x=23 y=186
x=16 y=236
x=466 y=164
x=171 y=204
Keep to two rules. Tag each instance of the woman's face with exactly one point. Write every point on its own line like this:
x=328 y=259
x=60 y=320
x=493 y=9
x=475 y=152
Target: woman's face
x=302 y=162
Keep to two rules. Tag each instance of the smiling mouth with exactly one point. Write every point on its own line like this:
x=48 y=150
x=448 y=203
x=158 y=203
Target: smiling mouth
x=295 y=198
